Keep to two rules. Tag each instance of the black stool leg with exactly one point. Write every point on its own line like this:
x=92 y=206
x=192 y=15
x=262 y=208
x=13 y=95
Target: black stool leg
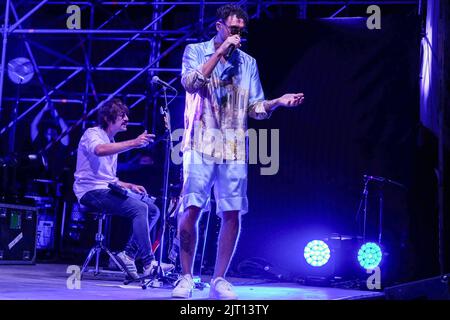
x=99 y=240
x=115 y=260
x=93 y=251
x=97 y=249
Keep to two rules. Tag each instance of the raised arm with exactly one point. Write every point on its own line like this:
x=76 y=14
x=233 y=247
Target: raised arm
x=208 y=67
x=286 y=100
x=107 y=149
x=195 y=75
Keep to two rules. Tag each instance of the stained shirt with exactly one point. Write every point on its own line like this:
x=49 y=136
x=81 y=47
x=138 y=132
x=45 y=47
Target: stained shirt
x=215 y=118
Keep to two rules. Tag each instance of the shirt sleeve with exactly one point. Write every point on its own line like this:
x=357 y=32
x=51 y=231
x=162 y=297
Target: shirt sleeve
x=256 y=107
x=91 y=139
x=191 y=77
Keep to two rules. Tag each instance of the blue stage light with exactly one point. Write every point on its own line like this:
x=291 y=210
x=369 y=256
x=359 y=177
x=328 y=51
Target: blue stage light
x=317 y=253
x=369 y=255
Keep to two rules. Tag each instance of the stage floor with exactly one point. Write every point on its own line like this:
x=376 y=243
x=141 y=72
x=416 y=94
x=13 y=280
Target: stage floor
x=49 y=282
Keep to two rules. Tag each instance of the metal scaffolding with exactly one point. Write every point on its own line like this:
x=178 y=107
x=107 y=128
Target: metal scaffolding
x=85 y=79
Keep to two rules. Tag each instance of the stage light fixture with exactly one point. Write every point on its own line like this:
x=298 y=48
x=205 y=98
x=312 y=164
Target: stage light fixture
x=369 y=255
x=20 y=70
x=317 y=253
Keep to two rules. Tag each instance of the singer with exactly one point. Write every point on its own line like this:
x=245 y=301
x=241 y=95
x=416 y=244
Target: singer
x=223 y=88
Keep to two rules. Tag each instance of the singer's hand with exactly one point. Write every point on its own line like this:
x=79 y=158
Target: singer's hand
x=234 y=40
x=143 y=140
x=291 y=99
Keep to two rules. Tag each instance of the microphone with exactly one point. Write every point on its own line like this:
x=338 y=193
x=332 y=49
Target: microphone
x=230 y=51
x=157 y=80
x=233 y=31
x=381 y=179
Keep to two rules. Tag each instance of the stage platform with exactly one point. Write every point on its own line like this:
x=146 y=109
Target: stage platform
x=49 y=282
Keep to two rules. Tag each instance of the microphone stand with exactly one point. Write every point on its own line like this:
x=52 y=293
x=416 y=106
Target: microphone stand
x=159 y=276
x=363 y=202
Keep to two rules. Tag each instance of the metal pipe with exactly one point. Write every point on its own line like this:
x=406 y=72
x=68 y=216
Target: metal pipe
x=67 y=131
x=54 y=53
x=302 y=9
x=31 y=55
x=128 y=69
x=74 y=74
x=155 y=51
x=82 y=41
x=40 y=100
x=95 y=31
x=442 y=104
x=87 y=56
x=37 y=99
x=97 y=38
x=111 y=39
x=115 y=15
x=5 y=41
x=25 y=17
x=64 y=100
x=135 y=36
x=136 y=102
x=337 y=12
x=202 y=13
x=255 y=2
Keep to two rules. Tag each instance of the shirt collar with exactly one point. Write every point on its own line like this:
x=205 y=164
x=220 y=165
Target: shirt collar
x=210 y=47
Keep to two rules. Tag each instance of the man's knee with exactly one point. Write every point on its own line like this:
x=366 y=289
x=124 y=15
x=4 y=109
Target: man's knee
x=231 y=217
x=153 y=211
x=140 y=209
x=192 y=213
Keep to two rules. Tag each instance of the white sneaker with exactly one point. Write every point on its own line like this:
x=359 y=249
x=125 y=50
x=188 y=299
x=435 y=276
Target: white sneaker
x=128 y=264
x=221 y=289
x=166 y=267
x=183 y=287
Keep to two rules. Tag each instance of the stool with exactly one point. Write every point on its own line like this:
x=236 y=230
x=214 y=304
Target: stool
x=99 y=246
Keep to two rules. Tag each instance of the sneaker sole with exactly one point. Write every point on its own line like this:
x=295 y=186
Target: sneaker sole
x=181 y=296
x=213 y=296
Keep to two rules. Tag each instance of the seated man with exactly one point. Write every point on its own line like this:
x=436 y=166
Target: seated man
x=96 y=168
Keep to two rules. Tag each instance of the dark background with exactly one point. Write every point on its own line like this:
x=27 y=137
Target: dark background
x=360 y=116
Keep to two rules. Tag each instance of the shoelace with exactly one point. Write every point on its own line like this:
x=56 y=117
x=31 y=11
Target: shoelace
x=164 y=266
x=228 y=286
x=181 y=279
x=129 y=264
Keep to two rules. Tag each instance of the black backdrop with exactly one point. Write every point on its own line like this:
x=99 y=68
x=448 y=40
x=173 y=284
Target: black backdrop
x=360 y=116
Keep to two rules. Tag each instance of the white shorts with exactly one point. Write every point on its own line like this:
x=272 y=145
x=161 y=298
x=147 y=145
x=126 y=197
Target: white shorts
x=201 y=173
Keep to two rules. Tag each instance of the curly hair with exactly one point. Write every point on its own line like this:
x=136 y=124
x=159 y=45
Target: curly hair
x=230 y=10
x=109 y=112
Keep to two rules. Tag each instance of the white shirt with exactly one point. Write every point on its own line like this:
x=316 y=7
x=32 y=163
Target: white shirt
x=93 y=172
